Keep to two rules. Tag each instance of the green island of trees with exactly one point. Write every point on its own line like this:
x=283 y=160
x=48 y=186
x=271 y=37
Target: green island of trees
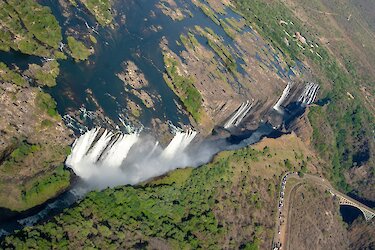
x=79 y=51
x=184 y=87
x=46 y=74
x=29 y=27
x=8 y=75
x=101 y=9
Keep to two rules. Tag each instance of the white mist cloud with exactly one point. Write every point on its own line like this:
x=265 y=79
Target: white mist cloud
x=107 y=159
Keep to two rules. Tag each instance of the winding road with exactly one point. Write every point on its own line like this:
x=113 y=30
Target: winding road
x=280 y=240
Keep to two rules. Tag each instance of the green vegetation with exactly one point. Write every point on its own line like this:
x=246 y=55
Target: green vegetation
x=73 y=2
x=208 y=12
x=177 y=177
x=39 y=21
x=21 y=194
x=181 y=209
x=8 y=75
x=20 y=153
x=252 y=245
x=189 y=41
x=46 y=103
x=341 y=129
x=46 y=74
x=221 y=22
x=93 y=39
x=47 y=186
x=184 y=87
x=38 y=189
x=237 y=25
x=28 y=27
x=228 y=29
x=101 y=9
x=186 y=209
x=79 y=51
x=219 y=48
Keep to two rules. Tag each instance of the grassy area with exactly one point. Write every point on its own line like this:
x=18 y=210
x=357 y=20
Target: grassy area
x=47 y=104
x=21 y=194
x=34 y=190
x=28 y=27
x=187 y=209
x=348 y=120
x=46 y=187
x=45 y=75
x=39 y=21
x=20 y=153
x=184 y=87
x=219 y=48
x=207 y=11
x=79 y=51
x=101 y=9
x=8 y=75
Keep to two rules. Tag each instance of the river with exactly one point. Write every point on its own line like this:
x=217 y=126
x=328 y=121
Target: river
x=136 y=41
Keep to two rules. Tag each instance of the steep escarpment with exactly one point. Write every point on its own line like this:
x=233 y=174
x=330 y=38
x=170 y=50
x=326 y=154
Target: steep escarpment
x=228 y=203
x=34 y=140
x=221 y=64
x=34 y=143
x=343 y=127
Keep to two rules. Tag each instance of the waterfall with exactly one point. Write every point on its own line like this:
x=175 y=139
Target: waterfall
x=118 y=150
x=309 y=94
x=178 y=144
x=283 y=97
x=237 y=117
x=110 y=159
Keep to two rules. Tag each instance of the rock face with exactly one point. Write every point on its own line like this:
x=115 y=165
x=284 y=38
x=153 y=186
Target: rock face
x=228 y=72
x=33 y=141
x=302 y=127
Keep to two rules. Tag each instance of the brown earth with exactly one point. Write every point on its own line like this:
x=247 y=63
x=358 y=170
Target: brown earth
x=347 y=30
x=132 y=75
x=315 y=221
x=171 y=9
x=23 y=120
x=361 y=234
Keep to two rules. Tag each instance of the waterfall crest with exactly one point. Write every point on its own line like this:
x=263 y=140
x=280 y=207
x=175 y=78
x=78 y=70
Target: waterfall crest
x=238 y=116
x=178 y=144
x=309 y=94
x=103 y=158
x=282 y=98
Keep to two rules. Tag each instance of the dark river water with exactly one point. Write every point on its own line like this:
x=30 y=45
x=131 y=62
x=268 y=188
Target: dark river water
x=133 y=41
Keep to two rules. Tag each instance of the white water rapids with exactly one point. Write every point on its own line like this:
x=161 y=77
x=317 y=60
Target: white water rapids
x=309 y=94
x=238 y=116
x=282 y=98
x=106 y=159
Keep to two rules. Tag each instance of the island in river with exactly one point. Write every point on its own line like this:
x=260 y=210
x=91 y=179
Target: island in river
x=152 y=63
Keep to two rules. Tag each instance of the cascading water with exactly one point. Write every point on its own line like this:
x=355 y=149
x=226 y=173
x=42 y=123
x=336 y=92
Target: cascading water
x=238 y=116
x=309 y=94
x=109 y=159
x=282 y=98
x=178 y=144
